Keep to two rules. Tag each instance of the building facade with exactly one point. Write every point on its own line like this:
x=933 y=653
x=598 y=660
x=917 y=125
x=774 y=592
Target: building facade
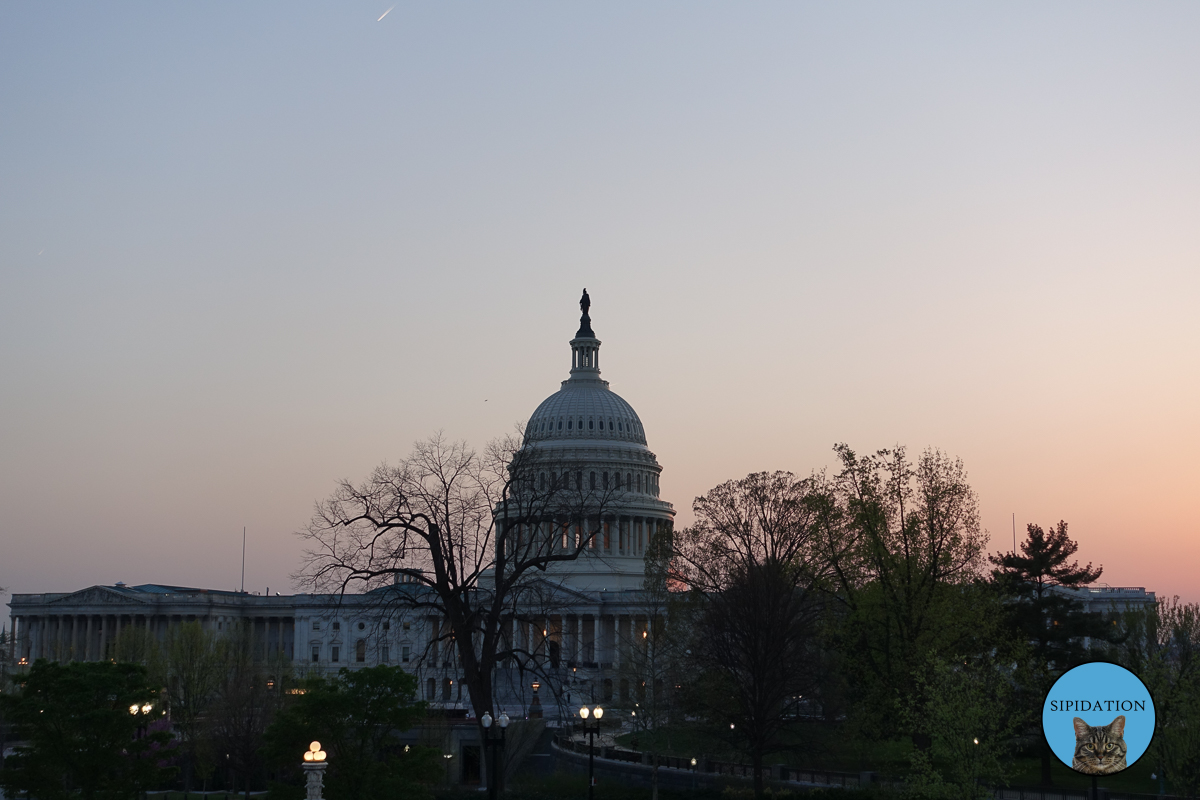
x=584 y=435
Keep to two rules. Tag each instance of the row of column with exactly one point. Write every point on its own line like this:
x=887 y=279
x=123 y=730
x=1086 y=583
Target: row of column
x=581 y=640
x=619 y=536
x=88 y=637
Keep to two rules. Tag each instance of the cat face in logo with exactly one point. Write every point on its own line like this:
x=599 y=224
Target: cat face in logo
x=1099 y=750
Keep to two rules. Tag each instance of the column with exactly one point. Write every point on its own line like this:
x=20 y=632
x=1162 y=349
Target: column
x=87 y=639
x=104 y=635
x=279 y=622
x=12 y=638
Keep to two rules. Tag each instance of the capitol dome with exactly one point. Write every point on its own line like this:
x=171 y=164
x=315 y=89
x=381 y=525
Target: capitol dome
x=597 y=433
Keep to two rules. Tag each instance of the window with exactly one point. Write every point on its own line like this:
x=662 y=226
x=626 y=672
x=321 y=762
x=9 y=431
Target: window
x=591 y=424
x=605 y=480
x=316 y=626
x=387 y=625
x=219 y=623
x=384 y=654
x=560 y=424
x=316 y=655
x=620 y=427
x=407 y=624
x=429 y=689
x=569 y=424
x=404 y=654
x=593 y=480
x=362 y=625
x=334 y=652
x=543 y=481
x=360 y=650
x=446 y=684
x=337 y=626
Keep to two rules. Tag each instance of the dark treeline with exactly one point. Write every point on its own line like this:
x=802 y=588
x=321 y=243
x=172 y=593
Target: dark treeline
x=864 y=605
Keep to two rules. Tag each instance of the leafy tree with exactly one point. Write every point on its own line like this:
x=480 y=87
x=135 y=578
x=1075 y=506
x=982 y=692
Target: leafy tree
x=751 y=561
x=356 y=717
x=193 y=666
x=971 y=723
x=906 y=547
x=654 y=653
x=1161 y=645
x=1042 y=611
x=81 y=738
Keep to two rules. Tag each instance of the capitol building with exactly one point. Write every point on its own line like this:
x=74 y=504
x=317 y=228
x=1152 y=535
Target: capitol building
x=598 y=599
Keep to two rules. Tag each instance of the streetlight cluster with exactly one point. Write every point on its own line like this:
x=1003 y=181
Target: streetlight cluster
x=314 y=752
x=501 y=723
x=144 y=708
x=591 y=730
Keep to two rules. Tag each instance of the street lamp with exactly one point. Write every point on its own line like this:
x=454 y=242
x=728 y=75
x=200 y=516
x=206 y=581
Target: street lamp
x=592 y=731
x=493 y=743
x=314 y=770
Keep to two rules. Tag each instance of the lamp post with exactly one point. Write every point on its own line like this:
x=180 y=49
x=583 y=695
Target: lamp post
x=144 y=710
x=314 y=770
x=493 y=743
x=592 y=731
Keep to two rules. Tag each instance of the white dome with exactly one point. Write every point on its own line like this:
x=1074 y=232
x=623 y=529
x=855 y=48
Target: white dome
x=585 y=411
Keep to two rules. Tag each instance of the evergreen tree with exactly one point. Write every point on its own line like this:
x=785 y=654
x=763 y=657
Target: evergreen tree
x=1043 y=611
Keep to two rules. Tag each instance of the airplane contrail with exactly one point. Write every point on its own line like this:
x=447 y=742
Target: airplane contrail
x=384 y=14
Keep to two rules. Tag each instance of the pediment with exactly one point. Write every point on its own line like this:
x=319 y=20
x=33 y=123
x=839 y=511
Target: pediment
x=95 y=595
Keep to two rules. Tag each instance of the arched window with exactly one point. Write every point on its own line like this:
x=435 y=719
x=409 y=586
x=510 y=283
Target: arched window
x=360 y=650
x=639 y=482
x=629 y=480
x=581 y=423
x=591 y=424
x=593 y=480
x=543 y=482
x=610 y=427
x=560 y=424
x=617 y=478
x=568 y=424
x=604 y=478
x=619 y=426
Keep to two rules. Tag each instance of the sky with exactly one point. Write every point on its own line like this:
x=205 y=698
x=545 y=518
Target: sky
x=247 y=250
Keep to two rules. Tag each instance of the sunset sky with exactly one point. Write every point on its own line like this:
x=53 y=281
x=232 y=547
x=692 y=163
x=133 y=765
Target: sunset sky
x=247 y=250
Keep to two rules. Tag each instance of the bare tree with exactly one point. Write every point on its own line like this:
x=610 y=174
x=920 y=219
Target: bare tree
x=464 y=538
x=753 y=562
